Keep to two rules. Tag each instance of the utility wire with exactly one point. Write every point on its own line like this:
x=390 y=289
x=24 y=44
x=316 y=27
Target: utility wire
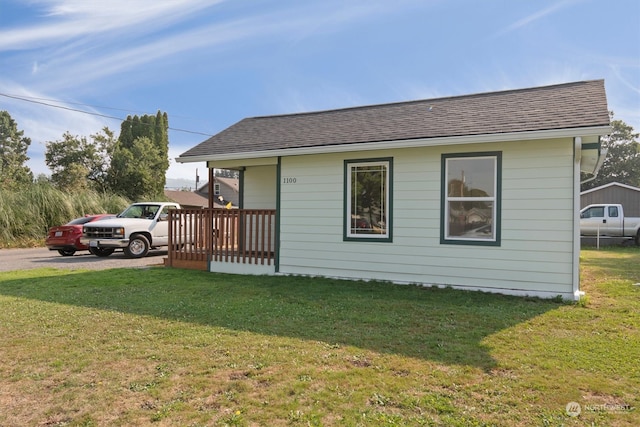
x=35 y=101
x=24 y=97
x=102 y=107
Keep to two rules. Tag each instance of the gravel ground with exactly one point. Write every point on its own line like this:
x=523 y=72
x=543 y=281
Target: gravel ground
x=26 y=259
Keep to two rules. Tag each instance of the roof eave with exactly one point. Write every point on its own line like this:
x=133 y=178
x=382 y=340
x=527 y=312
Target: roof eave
x=610 y=184
x=409 y=143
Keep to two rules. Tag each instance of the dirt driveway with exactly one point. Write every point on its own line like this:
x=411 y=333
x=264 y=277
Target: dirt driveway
x=26 y=259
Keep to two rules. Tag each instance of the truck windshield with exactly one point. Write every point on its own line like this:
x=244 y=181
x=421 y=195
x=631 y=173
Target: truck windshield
x=140 y=211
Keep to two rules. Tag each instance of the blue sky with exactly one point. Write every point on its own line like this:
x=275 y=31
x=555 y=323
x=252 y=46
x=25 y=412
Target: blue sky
x=209 y=63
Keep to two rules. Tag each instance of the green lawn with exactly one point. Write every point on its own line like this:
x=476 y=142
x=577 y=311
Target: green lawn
x=172 y=347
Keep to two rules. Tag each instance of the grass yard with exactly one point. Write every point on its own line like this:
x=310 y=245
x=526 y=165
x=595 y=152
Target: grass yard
x=167 y=347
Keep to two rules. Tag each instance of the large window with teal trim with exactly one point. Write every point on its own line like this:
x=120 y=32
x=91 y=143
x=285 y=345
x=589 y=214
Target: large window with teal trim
x=470 y=208
x=367 y=202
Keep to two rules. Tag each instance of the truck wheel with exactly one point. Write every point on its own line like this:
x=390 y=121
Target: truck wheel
x=101 y=252
x=66 y=252
x=638 y=238
x=138 y=247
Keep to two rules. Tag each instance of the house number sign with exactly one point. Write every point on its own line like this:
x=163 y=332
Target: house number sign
x=288 y=180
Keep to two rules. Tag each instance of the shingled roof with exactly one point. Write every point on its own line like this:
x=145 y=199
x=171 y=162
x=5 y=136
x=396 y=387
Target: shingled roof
x=187 y=199
x=564 y=106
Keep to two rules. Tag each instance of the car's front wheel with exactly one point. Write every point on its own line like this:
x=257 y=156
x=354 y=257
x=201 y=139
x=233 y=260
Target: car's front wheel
x=138 y=247
x=101 y=252
x=66 y=252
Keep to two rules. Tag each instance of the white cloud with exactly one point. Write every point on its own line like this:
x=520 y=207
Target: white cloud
x=108 y=49
x=69 y=19
x=527 y=20
x=110 y=62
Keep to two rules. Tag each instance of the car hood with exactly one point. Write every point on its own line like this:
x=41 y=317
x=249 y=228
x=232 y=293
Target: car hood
x=122 y=222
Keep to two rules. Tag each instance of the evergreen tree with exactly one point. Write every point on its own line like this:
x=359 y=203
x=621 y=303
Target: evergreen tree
x=141 y=157
x=13 y=154
x=126 y=135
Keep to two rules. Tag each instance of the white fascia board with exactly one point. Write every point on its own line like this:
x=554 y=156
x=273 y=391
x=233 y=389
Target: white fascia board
x=410 y=143
x=611 y=184
x=239 y=163
x=192 y=159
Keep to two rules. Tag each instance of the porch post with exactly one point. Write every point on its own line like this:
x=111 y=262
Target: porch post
x=211 y=186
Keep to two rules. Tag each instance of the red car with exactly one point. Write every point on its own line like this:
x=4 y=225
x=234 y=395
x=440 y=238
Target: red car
x=66 y=238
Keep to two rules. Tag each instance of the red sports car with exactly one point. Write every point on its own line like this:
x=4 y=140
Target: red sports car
x=66 y=238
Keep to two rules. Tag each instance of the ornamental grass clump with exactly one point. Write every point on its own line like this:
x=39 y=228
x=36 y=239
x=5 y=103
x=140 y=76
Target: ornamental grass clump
x=25 y=216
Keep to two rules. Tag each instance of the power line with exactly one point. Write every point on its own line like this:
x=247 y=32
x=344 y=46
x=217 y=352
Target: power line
x=102 y=107
x=24 y=97
x=37 y=101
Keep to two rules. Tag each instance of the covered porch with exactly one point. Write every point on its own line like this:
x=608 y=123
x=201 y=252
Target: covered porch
x=239 y=241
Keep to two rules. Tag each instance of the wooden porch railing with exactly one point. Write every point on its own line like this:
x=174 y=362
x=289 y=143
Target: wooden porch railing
x=197 y=236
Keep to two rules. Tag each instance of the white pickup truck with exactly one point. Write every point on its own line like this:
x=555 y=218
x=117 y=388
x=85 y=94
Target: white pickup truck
x=140 y=227
x=608 y=220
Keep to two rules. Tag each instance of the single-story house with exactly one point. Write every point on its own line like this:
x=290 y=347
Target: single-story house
x=477 y=192
x=614 y=192
x=223 y=187
x=187 y=199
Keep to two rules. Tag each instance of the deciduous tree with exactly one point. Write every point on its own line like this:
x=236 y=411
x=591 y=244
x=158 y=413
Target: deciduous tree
x=134 y=169
x=622 y=163
x=78 y=163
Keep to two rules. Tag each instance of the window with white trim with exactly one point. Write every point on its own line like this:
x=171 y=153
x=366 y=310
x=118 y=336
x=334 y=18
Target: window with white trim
x=367 y=199
x=471 y=198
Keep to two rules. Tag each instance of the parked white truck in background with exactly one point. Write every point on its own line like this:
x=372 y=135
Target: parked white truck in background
x=140 y=227
x=608 y=220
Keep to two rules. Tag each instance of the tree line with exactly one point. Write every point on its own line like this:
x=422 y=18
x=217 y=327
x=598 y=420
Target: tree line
x=132 y=165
